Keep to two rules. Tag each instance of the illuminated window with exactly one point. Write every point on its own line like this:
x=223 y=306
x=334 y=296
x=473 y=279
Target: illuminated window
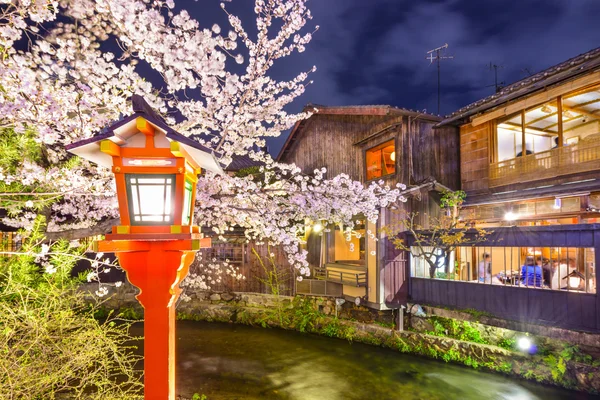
x=581 y=116
x=187 y=203
x=381 y=160
x=150 y=199
x=509 y=137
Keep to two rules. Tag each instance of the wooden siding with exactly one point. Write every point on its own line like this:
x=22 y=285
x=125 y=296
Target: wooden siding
x=547 y=307
x=474 y=158
x=328 y=141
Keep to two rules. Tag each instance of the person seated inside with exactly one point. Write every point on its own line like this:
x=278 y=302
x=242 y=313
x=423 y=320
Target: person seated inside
x=485 y=269
x=531 y=273
x=527 y=152
x=547 y=271
x=555 y=145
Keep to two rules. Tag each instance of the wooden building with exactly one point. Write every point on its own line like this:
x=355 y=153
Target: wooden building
x=530 y=165
x=371 y=143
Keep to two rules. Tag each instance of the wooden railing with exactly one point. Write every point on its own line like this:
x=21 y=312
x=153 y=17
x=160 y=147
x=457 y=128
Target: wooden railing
x=353 y=278
x=319 y=287
x=581 y=157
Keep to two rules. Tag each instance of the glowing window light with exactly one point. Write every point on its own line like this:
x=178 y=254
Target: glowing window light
x=150 y=198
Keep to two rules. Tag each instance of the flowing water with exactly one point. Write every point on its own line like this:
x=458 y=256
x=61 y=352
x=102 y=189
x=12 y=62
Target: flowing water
x=226 y=361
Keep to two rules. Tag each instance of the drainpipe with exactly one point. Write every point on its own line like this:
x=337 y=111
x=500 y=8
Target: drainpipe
x=400 y=319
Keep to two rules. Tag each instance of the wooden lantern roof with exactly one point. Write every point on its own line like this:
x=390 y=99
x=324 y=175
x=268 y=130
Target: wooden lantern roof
x=129 y=132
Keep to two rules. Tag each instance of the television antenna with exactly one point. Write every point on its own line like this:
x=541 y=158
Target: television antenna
x=497 y=85
x=437 y=56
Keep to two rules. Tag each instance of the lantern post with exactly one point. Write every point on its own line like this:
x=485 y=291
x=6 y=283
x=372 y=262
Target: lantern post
x=156 y=170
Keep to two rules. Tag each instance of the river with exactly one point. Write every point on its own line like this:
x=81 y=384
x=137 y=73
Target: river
x=227 y=362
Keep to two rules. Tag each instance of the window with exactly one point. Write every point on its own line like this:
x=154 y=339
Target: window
x=150 y=198
x=509 y=137
x=541 y=127
x=581 y=116
x=577 y=112
x=187 y=203
x=552 y=268
x=381 y=160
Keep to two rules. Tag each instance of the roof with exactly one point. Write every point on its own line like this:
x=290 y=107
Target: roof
x=377 y=109
x=241 y=162
x=558 y=73
x=123 y=129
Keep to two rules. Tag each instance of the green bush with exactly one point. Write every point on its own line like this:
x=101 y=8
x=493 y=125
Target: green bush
x=50 y=342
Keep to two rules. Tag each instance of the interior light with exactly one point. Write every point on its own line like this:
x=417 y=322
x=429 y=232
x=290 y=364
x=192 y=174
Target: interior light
x=317 y=227
x=150 y=198
x=510 y=216
x=574 y=281
x=393 y=156
x=568 y=114
x=524 y=343
x=557 y=204
x=546 y=108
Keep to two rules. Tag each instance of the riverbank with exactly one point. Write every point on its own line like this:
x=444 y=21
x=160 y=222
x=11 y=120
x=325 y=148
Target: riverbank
x=436 y=337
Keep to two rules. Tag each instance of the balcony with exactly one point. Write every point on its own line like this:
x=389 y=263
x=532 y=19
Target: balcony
x=344 y=274
x=577 y=158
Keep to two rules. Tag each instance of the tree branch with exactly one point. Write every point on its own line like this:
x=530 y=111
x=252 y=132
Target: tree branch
x=99 y=229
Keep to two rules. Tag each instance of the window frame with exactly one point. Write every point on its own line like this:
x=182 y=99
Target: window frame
x=382 y=145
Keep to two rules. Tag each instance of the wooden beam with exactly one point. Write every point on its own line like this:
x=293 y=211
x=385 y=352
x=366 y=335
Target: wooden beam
x=536 y=99
x=580 y=125
x=559 y=123
x=144 y=126
x=110 y=148
x=540 y=119
x=582 y=112
x=592 y=115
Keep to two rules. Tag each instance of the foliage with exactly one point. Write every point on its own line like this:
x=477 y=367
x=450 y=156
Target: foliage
x=438 y=237
x=557 y=367
x=335 y=328
x=198 y=396
x=50 y=341
x=462 y=330
x=507 y=343
x=130 y=313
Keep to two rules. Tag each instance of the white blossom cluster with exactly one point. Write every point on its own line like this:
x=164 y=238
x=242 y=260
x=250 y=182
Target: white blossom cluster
x=65 y=87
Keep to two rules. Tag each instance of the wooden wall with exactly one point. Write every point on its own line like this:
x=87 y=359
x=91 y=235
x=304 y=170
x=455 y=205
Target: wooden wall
x=241 y=255
x=547 y=307
x=474 y=158
x=327 y=141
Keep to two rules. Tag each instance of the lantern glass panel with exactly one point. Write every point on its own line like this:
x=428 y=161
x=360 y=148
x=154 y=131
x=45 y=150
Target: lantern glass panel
x=187 y=203
x=150 y=199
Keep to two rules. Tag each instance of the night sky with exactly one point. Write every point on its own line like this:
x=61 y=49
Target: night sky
x=374 y=51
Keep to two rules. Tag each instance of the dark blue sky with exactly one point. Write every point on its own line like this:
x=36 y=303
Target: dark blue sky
x=373 y=51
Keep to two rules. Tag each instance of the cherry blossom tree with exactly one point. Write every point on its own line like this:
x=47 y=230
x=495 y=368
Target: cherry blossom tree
x=59 y=84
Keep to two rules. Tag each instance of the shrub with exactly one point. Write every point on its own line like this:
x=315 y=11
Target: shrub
x=50 y=342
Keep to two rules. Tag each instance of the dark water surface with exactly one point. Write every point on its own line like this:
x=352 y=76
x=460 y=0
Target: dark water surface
x=226 y=361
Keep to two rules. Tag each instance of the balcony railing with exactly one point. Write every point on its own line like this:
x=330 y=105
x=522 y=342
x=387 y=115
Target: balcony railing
x=334 y=273
x=577 y=158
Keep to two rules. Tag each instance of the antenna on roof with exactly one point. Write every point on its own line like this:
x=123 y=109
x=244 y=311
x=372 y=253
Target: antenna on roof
x=497 y=85
x=437 y=57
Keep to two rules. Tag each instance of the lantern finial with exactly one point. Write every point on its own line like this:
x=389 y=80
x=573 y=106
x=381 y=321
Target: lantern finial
x=140 y=105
